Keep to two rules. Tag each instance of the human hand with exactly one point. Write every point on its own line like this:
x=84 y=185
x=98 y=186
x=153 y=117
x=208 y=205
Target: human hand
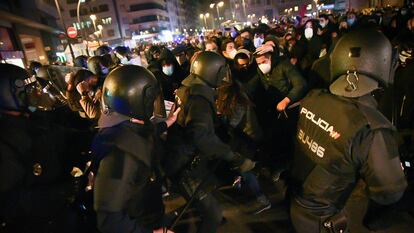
x=69 y=78
x=98 y=95
x=264 y=48
x=172 y=117
x=281 y=106
x=82 y=87
x=91 y=181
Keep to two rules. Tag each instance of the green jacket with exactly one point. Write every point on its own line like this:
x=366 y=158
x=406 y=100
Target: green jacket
x=284 y=80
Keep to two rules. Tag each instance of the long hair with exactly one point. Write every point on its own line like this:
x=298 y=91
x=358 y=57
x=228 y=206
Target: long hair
x=230 y=96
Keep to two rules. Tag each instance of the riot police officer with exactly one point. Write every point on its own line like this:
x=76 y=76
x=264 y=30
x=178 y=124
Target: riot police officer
x=100 y=66
x=127 y=193
x=81 y=61
x=35 y=182
x=342 y=137
x=193 y=145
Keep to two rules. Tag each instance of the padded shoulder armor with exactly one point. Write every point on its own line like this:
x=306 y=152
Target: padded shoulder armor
x=375 y=118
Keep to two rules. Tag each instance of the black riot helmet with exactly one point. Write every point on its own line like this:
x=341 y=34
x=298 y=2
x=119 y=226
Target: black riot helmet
x=211 y=68
x=13 y=81
x=98 y=65
x=47 y=92
x=361 y=63
x=131 y=91
x=81 y=61
x=103 y=50
x=122 y=50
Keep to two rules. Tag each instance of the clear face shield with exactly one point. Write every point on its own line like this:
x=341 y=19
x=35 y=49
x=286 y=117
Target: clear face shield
x=47 y=92
x=40 y=96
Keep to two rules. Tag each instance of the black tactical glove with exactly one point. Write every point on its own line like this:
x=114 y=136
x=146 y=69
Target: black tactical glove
x=241 y=163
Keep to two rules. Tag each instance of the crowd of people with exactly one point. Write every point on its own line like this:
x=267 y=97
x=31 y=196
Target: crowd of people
x=313 y=101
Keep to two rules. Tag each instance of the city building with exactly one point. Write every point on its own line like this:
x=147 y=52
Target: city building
x=293 y=7
x=250 y=10
x=98 y=21
x=151 y=19
x=144 y=16
x=175 y=14
x=359 y=4
x=28 y=32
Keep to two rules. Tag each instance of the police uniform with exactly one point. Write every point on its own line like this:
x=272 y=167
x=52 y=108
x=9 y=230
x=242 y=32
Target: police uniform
x=35 y=182
x=194 y=147
x=127 y=194
x=336 y=147
x=342 y=137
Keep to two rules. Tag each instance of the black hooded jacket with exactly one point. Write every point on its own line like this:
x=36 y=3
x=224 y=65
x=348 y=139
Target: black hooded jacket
x=169 y=83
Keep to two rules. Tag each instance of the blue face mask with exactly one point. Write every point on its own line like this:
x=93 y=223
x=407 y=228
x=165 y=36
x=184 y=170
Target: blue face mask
x=105 y=70
x=350 y=22
x=258 y=41
x=32 y=109
x=168 y=70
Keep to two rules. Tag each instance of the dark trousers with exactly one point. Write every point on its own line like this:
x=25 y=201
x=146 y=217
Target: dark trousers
x=252 y=184
x=280 y=138
x=210 y=213
x=305 y=220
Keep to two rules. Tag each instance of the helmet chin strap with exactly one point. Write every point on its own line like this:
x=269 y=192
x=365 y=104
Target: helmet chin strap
x=352 y=84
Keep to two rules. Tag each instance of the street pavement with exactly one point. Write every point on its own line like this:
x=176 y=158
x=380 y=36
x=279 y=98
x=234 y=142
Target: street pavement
x=237 y=204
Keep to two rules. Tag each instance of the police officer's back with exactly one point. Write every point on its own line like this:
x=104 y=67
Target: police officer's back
x=193 y=146
x=342 y=137
x=127 y=194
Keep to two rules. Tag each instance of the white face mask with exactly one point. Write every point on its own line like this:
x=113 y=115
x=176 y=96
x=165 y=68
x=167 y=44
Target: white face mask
x=168 y=70
x=308 y=33
x=265 y=68
x=232 y=54
x=124 y=61
x=257 y=42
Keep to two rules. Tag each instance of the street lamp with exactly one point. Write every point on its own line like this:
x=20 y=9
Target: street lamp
x=93 y=18
x=100 y=28
x=217 y=5
x=80 y=26
x=316 y=7
x=251 y=17
x=205 y=16
x=220 y=4
x=244 y=8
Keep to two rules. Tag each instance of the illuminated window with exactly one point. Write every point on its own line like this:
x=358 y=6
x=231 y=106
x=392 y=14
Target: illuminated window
x=309 y=7
x=296 y=8
x=107 y=20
